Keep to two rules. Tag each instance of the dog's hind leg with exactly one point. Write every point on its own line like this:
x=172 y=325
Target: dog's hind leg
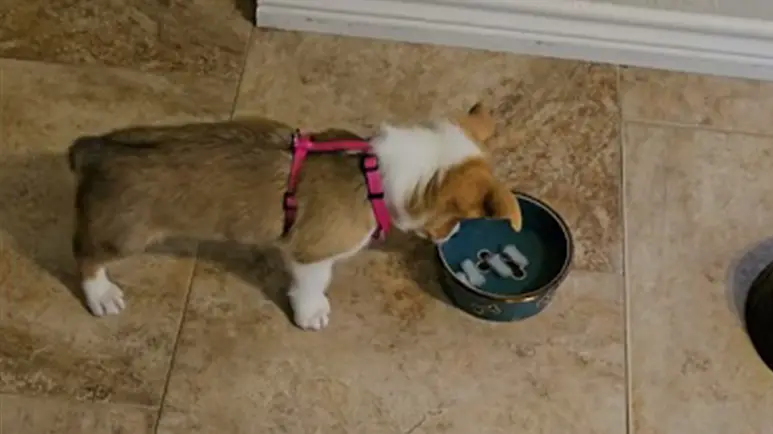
x=93 y=255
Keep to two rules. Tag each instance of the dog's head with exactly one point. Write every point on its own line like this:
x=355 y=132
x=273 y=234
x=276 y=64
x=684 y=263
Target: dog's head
x=437 y=175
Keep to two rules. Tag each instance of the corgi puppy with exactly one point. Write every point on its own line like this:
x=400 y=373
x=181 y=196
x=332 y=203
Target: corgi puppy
x=227 y=180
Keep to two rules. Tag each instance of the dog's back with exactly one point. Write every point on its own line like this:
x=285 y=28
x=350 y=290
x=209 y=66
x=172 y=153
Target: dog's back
x=194 y=180
x=207 y=181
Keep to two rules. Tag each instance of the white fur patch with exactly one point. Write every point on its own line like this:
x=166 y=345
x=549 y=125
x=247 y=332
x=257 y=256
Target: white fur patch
x=410 y=156
x=311 y=307
x=102 y=295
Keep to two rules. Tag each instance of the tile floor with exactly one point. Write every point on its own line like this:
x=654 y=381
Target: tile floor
x=664 y=177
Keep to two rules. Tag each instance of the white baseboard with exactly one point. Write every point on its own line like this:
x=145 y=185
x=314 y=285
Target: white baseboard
x=699 y=43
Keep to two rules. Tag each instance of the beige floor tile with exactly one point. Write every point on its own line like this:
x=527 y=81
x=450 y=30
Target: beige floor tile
x=555 y=117
x=695 y=201
x=195 y=36
x=49 y=344
x=46 y=106
x=394 y=357
x=38 y=416
x=709 y=101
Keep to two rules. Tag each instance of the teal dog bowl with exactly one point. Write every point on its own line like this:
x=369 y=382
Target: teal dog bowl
x=497 y=274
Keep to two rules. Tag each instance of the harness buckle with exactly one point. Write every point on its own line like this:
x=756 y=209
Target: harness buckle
x=369 y=163
x=289 y=202
x=294 y=139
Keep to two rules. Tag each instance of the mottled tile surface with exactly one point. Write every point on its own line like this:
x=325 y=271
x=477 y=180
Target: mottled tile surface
x=45 y=106
x=695 y=201
x=49 y=344
x=40 y=416
x=558 y=120
x=395 y=358
x=195 y=36
x=699 y=100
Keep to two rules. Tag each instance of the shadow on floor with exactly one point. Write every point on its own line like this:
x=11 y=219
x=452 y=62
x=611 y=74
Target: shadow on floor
x=246 y=8
x=36 y=211
x=741 y=273
x=418 y=258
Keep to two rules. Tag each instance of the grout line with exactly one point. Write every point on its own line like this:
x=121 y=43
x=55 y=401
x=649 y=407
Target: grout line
x=116 y=68
x=624 y=268
x=176 y=345
x=63 y=399
x=677 y=125
x=241 y=73
x=2 y=140
x=626 y=285
x=627 y=310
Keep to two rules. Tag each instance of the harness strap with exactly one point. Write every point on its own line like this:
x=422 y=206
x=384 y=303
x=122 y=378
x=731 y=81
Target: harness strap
x=289 y=201
x=302 y=145
x=369 y=165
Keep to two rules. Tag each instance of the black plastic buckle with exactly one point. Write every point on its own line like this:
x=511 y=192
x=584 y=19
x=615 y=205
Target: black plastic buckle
x=289 y=202
x=369 y=163
x=294 y=138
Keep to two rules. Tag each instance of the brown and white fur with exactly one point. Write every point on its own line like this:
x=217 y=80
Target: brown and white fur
x=225 y=181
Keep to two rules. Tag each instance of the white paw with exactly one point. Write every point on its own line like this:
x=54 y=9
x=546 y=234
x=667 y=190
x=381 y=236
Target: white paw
x=103 y=296
x=311 y=312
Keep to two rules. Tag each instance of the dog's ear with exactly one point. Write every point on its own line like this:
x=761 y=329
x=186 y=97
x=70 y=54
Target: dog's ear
x=477 y=123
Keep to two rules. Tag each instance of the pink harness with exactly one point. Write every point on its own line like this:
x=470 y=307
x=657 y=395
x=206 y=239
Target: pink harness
x=302 y=145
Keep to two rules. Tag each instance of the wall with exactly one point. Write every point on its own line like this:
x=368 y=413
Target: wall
x=698 y=36
x=762 y=9
x=739 y=8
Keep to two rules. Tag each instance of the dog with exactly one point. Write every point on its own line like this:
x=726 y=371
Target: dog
x=228 y=180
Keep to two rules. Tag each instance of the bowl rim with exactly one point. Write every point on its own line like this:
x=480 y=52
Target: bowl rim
x=537 y=293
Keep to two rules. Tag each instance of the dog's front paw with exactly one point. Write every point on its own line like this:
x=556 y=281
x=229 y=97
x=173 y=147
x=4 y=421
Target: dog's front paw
x=311 y=312
x=104 y=297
